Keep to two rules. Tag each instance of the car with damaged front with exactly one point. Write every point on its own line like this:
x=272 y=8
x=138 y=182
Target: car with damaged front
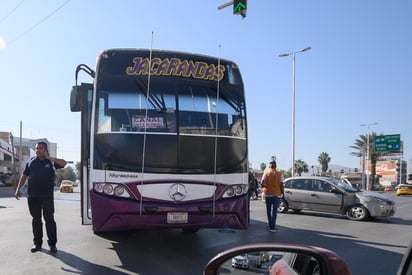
x=332 y=195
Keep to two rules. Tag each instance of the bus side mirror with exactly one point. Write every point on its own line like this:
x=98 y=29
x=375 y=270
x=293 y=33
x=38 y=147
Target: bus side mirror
x=75 y=99
x=79 y=97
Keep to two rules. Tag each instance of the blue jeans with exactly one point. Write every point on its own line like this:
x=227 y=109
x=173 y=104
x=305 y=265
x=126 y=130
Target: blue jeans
x=272 y=204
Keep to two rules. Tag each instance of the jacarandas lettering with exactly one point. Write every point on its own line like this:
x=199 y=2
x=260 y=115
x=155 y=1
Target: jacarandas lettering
x=176 y=67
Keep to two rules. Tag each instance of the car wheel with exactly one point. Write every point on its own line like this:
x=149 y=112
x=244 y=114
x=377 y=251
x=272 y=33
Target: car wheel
x=357 y=213
x=283 y=206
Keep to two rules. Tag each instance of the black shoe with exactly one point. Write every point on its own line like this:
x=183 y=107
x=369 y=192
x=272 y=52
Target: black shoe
x=53 y=249
x=35 y=248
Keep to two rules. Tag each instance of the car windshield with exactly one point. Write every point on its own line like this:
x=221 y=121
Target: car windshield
x=344 y=185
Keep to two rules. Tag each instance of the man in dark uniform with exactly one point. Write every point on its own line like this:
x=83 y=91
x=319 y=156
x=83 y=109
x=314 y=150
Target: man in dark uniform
x=40 y=171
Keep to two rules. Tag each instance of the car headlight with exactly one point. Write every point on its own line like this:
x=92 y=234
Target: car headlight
x=383 y=202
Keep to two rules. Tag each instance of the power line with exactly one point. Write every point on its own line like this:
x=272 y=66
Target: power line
x=11 y=12
x=38 y=23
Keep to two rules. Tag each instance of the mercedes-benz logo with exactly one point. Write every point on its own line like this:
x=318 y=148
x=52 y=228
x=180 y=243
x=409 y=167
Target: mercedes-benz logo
x=177 y=191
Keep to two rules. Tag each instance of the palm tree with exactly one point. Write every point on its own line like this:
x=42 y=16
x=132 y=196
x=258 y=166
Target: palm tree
x=301 y=166
x=324 y=160
x=263 y=165
x=286 y=174
x=361 y=145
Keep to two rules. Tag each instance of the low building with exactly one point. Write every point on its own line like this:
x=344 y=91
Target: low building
x=14 y=153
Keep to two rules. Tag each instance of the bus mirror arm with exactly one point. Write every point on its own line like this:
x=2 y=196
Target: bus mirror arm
x=87 y=69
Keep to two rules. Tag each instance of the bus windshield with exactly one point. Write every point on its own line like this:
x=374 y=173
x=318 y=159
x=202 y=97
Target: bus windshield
x=178 y=108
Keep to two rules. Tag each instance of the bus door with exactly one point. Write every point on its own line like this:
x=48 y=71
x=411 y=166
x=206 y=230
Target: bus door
x=80 y=101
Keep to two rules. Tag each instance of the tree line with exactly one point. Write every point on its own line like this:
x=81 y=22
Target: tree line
x=362 y=145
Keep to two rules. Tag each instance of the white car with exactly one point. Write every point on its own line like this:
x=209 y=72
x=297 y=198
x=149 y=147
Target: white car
x=241 y=261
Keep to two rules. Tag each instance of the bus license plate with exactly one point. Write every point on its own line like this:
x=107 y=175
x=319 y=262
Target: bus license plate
x=177 y=217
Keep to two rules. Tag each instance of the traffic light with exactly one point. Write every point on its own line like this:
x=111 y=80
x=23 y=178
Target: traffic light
x=239 y=7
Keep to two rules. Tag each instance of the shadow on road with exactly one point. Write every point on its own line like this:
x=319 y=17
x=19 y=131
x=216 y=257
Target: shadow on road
x=81 y=266
x=159 y=251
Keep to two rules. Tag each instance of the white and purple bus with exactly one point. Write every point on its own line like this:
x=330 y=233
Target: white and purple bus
x=163 y=142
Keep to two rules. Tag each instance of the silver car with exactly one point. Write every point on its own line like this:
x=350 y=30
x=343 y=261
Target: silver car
x=241 y=261
x=332 y=195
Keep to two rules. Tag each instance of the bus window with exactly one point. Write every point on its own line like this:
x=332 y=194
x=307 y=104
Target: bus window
x=126 y=112
x=202 y=112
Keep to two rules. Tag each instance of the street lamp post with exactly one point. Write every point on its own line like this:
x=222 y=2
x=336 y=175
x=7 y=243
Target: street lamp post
x=368 y=152
x=400 y=169
x=293 y=54
x=363 y=166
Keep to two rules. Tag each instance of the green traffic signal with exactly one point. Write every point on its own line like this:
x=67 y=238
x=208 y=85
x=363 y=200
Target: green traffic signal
x=239 y=7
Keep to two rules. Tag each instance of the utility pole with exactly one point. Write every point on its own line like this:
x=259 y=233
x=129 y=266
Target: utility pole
x=13 y=162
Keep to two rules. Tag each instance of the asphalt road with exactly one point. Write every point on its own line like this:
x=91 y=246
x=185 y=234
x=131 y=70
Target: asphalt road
x=371 y=247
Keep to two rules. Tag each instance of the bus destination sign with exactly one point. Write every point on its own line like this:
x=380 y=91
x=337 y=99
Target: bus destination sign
x=175 y=67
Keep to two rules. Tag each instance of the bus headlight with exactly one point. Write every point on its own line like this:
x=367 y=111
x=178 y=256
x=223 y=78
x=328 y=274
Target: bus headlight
x=230 y=192
x=108 y=189
x=98 y=187
x=235 y=190
x=112 y=189
x=238 y=190
x=119 y=191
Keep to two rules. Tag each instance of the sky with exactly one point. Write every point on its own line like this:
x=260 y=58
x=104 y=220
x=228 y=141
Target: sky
x=358 y=71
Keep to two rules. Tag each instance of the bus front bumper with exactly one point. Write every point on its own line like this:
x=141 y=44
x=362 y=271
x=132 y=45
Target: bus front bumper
x=113 y=214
